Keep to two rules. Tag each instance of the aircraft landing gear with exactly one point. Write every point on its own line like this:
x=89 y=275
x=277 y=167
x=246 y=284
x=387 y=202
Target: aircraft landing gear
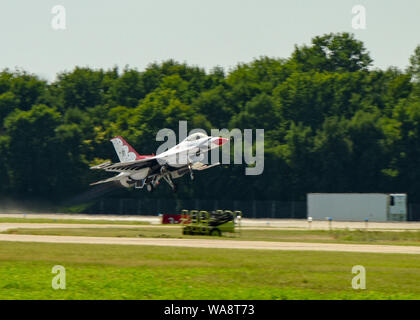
x=168 y=178
x=191 y=171
x=150 y=187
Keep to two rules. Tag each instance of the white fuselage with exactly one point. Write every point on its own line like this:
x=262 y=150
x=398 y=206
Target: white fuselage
x=188 y=151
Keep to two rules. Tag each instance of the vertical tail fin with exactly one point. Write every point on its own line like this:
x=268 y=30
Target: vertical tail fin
x=125 y=152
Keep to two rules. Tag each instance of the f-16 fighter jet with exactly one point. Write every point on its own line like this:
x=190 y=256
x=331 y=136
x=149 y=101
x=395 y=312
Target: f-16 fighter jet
x=147 y=171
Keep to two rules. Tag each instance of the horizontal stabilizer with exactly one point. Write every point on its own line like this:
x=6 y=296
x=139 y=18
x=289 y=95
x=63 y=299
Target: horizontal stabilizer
x=205 y=167
x=115 y=178
x=101 y=166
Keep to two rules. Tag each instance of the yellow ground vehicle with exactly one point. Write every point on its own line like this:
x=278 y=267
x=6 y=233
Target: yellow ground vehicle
x=210 y=223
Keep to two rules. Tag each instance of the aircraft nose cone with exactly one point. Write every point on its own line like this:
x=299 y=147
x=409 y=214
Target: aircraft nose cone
x=220 y=141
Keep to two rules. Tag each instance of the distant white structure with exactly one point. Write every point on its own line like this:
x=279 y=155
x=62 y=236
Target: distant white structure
x=379 y=207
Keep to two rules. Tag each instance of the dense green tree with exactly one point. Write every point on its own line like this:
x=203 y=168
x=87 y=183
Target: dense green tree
x=81 y=88
x=414 y=68
x=27 y=89
x=407 y=155
x=128 y=89
x=8 y=103
x=332 y=53
x=414 y=72
x=260 y=112
x=4 y=170
x=215 y=106
x=332 y=156
x=32 y=152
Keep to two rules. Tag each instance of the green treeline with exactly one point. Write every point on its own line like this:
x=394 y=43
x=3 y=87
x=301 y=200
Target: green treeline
x=332 y=123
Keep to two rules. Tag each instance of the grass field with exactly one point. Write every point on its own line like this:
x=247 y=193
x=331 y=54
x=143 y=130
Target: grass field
x=130 y=272
x=319 y=236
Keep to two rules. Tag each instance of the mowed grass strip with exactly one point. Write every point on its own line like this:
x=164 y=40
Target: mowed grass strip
x=72 y=221
x=320 y=236
x=147 y=272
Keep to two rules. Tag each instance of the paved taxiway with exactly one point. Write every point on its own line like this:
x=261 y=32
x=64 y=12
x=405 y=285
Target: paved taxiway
x=286 y=224
x=208 y=243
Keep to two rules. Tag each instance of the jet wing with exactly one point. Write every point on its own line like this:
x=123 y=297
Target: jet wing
x=116 y=178
x=128 y=166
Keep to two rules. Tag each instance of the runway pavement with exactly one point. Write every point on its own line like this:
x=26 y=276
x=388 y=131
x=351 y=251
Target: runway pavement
x=291 y=224
x=12 y=225
x=208 y=243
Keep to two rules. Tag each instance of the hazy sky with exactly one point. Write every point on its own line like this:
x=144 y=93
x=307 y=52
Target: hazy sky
x=104 y=33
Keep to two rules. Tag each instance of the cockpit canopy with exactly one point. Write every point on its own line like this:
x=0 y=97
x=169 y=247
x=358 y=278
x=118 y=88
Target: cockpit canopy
x=195 y=136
